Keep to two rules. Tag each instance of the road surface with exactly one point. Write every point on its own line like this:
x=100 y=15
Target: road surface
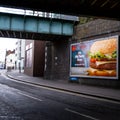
x=22 y=101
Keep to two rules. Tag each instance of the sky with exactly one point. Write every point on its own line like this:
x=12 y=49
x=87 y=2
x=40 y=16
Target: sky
x=6 y=44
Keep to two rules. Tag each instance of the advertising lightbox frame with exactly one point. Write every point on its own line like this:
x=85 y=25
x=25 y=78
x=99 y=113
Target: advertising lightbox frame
x=74 y=71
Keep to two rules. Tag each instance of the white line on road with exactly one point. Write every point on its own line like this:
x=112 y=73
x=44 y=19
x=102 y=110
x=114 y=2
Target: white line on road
x=5 y=76
x=81 y=114
x=30 y=96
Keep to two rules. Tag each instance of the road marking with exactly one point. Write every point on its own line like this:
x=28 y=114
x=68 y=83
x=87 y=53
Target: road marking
x=20 y=76
x=30 y=96
x=11 y=117
x=5 y=76
x=62 y=91
x=81 y=114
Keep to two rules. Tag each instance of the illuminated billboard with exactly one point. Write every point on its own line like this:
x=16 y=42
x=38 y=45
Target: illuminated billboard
x=95 y=58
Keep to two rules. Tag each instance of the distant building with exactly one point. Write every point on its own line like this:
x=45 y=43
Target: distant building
x=2 y=55
x=2 y=65
x=2 y=58
x=20 y=54
x=10 y=59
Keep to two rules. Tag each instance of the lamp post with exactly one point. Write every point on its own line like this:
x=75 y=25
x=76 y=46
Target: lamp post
x=5 y=58
x=19 y=67
x=20 y=58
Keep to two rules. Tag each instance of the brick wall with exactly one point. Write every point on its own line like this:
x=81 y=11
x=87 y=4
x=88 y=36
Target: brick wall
x=39 y=58
x=57 y=63
x=96 y=29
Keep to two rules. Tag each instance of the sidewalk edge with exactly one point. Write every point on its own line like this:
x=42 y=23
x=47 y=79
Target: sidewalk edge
x=67 y=90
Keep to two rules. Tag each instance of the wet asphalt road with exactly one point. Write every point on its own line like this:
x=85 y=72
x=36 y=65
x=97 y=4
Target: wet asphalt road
x=20 y=101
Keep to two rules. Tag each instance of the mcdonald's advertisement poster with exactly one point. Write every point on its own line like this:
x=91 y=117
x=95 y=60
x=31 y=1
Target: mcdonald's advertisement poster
x=95 y=58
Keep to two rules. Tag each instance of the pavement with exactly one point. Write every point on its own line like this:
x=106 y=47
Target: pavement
x=89 y=90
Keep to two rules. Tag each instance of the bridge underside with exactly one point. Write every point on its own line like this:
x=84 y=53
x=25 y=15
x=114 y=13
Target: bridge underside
x=97 y=8
x=33 y=36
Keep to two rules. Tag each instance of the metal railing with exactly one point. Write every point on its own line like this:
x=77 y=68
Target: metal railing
x=38 y=14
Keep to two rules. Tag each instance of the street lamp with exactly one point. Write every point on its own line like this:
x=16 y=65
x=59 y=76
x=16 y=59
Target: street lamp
x=20 y=58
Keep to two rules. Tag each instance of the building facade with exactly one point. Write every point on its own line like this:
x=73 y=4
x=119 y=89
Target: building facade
x=20 y=54
x=34 y=58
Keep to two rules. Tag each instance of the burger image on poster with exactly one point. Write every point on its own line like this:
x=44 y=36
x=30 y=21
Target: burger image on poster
x=103 y=55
